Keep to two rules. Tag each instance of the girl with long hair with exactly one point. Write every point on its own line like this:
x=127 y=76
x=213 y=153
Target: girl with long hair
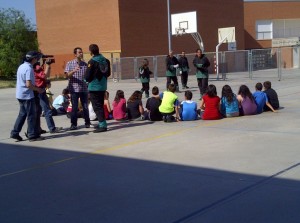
x=229 y=103
x=246 y=101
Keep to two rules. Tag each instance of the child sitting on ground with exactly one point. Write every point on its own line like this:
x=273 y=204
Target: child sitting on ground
x=210 y=103
x=169 y=104
x=247 y=103
x=229 y=103
x=50 y=97
x=107 y=109
x=152 y=106
x=135 y=108
x=61 y=102
x=119 y=106
x=272 y=96
x=261 y=99
x=188 y=108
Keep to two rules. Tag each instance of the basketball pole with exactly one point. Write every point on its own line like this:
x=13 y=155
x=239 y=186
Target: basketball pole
x=217 y=53
x=169 y=26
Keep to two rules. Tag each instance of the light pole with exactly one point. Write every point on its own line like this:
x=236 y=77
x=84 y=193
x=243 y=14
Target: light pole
x=169 y=26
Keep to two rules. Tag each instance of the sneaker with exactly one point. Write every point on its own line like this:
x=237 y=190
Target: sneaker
x=187 y=87
x=73 y=127
x=43 y=131
x=100 y=130
x=16 y=137
x=39 y=138
x=170 y=118
x=56 y=130
x=164 y=118
x=88 y=125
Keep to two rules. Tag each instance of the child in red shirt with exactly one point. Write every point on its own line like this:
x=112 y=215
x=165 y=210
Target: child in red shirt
x=210 y=103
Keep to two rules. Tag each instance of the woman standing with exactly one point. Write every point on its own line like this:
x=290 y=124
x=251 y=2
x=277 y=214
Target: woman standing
x=201 y=63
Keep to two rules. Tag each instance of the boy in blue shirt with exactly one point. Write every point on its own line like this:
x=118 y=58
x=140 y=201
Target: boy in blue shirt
x=261 y=99
x=188 y=108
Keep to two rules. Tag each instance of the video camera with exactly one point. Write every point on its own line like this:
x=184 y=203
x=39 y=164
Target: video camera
x=48 y=59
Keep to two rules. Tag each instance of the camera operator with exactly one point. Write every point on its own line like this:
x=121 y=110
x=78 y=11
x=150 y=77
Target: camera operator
x=41 y=73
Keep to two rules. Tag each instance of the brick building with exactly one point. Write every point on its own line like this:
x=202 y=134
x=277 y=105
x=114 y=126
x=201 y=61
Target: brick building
x=130 y=28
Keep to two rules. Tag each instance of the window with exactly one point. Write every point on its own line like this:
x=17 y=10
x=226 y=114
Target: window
x=264 y=29
x=286 y=28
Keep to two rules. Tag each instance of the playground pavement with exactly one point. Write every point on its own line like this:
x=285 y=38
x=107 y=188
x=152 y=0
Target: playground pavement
x=237 y=170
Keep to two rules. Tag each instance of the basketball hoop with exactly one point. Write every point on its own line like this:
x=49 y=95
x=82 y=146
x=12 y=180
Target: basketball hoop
x=180 y=31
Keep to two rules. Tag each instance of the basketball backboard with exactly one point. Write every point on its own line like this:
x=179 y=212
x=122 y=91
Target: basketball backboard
x=184 y=23
x=226 y=34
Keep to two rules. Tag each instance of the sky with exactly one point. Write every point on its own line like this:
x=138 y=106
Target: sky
x=27 y=6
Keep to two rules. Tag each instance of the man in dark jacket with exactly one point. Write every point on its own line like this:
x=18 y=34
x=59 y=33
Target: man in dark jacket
x=96 y=74
x=201 y=63
x=171 y=65
x=183 y=69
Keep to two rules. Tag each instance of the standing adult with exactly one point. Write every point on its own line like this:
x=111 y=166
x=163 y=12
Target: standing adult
x=183 y=69
x=42 y=101
x=75 y=71
x=171 y=65
x=201 y=63
x=24 y=93
x=96 y=74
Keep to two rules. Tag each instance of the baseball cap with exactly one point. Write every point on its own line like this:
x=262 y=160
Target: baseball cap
x=33 y=54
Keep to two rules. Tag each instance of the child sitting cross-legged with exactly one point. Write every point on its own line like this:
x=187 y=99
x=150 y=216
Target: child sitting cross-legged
x=119 y=106
x=169 y=104
x=261 y=99
x=188 y=108
x=152 y=106
x=229 y=103
x=210 y=103
x=272 y=96
x=135 y=108
x=61 y=102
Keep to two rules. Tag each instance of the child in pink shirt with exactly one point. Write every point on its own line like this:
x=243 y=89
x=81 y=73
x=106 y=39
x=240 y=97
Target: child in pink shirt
x=119 y=106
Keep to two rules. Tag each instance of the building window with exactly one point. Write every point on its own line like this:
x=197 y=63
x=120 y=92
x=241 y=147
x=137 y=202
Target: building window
x=286 y=28
x=264 y=29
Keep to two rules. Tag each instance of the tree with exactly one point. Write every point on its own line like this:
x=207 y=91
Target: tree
x=17 y=36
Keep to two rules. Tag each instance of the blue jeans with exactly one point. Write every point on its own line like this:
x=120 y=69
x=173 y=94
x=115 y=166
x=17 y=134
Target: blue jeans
x=27 y=110
x=44 y=102
x=84 y=102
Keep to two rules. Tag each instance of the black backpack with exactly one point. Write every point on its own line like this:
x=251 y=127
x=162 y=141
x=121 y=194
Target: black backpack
x=100 y=70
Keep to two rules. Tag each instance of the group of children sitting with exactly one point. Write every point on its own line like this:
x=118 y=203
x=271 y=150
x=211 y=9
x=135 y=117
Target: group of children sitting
x=166 y=106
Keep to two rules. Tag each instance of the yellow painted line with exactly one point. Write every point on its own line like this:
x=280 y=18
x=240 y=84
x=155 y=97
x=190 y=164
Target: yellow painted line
x=101 y=151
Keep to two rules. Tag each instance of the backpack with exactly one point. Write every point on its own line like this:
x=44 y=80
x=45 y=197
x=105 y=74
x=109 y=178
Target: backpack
x=100 y=70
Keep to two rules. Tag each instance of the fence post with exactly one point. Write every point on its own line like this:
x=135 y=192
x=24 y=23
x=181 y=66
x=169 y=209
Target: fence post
x=155 y=68
x=135 y=69
x=117 y=71
x=279 y=69
x=250 y=64
x=224 y=67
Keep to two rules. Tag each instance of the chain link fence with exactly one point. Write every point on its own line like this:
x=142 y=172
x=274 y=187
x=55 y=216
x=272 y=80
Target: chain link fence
x=275 y=62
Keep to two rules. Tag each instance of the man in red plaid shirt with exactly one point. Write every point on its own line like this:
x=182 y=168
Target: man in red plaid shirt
x=75 y=70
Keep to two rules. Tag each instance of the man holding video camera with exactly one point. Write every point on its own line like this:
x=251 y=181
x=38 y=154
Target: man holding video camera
x=41 y=74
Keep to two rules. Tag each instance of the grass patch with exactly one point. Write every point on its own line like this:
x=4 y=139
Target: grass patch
x=7 y=83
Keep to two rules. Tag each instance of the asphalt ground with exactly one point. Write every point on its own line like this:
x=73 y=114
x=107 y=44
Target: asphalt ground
x=244 y=169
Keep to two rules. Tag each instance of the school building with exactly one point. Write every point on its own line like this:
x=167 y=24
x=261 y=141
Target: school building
x=130 y=28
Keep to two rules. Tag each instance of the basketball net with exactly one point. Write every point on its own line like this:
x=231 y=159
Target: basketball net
x=196 y=36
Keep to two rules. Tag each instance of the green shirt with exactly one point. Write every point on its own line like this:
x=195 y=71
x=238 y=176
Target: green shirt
x=167 y=104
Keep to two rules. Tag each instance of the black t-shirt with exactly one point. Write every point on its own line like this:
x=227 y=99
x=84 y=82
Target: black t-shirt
x=133 y=109
x=272 y=98
x=152 y=105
